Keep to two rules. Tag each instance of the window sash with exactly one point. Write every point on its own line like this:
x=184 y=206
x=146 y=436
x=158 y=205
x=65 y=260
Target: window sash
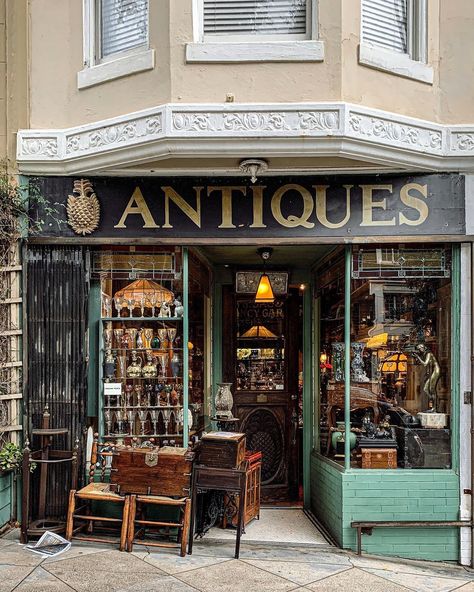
x=121 y=27
x=253 y=20
x=396 y=25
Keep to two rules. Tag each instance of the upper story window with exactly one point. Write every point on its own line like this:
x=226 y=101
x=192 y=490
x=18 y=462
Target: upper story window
x=122 y=25
x=255 y=31
x=249 y=19
x=393 y=34
x=115 y=40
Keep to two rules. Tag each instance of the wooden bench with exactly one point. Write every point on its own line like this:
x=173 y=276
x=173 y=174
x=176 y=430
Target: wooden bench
x=367 y=527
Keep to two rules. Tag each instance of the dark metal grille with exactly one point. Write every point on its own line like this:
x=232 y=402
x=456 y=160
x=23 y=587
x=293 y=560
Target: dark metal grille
x=56 y=320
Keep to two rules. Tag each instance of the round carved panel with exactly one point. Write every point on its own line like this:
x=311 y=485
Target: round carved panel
x=264 y=434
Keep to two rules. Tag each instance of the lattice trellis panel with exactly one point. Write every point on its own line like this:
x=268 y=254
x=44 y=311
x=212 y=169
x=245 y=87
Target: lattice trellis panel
x=10 y=343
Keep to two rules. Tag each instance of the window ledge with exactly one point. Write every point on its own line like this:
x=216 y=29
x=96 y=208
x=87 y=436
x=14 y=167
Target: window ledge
x=124 y=66
x=396 y=63
x=270 y=51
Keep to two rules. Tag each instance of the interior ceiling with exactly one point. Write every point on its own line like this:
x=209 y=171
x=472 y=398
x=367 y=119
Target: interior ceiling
x=298 y=256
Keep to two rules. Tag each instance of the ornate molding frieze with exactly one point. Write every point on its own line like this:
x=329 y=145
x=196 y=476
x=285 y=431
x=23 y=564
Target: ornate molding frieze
x=421 y=138
x=117 y=134
x=291 y=129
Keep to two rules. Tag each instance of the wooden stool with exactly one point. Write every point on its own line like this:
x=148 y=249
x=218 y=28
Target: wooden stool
x=183 y=505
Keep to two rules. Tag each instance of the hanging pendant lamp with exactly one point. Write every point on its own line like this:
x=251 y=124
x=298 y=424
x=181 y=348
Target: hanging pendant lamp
x=264 y=292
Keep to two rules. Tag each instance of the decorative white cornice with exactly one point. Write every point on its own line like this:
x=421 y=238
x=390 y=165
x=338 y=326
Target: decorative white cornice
x=237 y=130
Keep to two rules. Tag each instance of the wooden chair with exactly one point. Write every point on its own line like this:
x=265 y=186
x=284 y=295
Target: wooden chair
x=99 y=489
x=157 y=478
x=138 y=521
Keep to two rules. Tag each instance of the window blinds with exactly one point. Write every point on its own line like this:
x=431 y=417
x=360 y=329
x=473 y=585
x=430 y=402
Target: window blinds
x=384 y=23
x=123 y=25
x=255 y=17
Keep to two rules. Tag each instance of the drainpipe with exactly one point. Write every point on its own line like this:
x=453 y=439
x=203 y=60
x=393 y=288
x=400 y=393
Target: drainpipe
x=472 y=403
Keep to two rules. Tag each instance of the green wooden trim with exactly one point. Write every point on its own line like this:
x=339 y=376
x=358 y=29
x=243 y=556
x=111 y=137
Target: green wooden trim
x=455 y=354
x=316 y=373
x=308 y=408
x=94 y=310
x=216 y=372
x=347 y=357
x=185 y=347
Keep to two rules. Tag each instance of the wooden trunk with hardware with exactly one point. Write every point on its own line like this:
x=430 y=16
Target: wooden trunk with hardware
x=153 y=471
x=225 y=450
x=379 y=458
x=252 y=490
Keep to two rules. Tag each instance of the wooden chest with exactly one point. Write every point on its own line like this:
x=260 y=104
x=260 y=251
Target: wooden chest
x=225 y=450
x=379 y=458
x=154 y=471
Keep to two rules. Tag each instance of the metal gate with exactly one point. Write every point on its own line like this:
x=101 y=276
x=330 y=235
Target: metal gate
x=57 y=291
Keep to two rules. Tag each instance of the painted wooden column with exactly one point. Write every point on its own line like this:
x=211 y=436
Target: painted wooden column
x=347 y=358
x=185 y=347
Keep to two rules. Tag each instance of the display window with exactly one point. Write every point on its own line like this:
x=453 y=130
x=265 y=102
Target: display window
x=400 y=357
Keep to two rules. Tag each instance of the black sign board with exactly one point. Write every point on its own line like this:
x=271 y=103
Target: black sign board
x=193 y=209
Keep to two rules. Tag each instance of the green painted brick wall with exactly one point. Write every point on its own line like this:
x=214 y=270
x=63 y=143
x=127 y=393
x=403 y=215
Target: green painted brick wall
x=403 y=495
x=326 y=496
x=5 y=499
x=338 y=498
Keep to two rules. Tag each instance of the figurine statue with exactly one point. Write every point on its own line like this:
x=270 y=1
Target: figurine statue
x=433 y=371
x=178 y=308
x=165 y=310
x=150 y=369
x=109 y=365
x=134 y=370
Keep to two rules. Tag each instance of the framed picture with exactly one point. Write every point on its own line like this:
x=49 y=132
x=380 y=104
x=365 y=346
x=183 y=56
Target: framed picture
x=246 y=282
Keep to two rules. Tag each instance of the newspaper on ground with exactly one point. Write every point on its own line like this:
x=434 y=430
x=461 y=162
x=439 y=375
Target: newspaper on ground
x=50 y=544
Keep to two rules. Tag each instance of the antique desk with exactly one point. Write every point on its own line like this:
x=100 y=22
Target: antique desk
x=229 y=481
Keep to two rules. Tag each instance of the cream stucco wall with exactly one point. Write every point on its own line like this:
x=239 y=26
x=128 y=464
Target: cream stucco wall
x=56 y=55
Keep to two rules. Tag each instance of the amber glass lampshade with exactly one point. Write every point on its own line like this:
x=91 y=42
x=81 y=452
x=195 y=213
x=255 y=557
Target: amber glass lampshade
x=146 y=289
x=264 y=290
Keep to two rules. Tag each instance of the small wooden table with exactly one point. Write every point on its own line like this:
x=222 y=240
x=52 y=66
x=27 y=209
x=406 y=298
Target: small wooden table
x=230 y=481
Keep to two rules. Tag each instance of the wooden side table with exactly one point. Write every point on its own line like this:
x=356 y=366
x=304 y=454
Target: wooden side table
x=252 y=493
x=230 y=481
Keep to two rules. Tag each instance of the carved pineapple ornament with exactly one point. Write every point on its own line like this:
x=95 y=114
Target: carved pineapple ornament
x=83 y=208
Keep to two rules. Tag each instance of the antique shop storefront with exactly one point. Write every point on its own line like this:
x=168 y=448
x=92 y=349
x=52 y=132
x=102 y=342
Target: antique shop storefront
x=141 y=299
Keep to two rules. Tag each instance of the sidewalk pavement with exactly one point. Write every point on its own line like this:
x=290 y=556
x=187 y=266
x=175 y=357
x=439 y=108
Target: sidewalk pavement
x=93 y=567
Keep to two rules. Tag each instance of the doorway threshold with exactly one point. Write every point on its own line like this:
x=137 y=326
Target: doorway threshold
x=278 y=526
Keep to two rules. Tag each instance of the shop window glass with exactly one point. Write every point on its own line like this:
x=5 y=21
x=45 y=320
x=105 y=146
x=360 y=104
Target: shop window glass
x=400 y=369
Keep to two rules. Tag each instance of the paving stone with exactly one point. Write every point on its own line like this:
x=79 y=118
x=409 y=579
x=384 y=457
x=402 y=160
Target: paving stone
x=303 y=555
x=173 y=564
x=296 y=571
x=420 y=583
x=355 y=580
x=235 y=576
x=164 y=584
x=16 y=554
x=12 y=575
x=79 y=551
x=126 y=574
x=429 y=568
x=115 y=562
x=42 y=581
x=467 y=588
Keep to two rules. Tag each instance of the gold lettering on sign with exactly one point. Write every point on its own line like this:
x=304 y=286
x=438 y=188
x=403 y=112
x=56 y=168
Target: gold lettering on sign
x=368 y=205
x=226 y=192
x=257 y=196
x=191 y=213
x=293 y=221
x=137 y=205
x=321 y=206
x=414 y=202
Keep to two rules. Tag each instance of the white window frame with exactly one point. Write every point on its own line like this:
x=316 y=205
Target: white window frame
x=412 y=64
x=255 y=48
x=97 y=70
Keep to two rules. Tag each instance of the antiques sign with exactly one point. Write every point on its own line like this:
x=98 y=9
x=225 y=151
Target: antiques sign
x=197 y=209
